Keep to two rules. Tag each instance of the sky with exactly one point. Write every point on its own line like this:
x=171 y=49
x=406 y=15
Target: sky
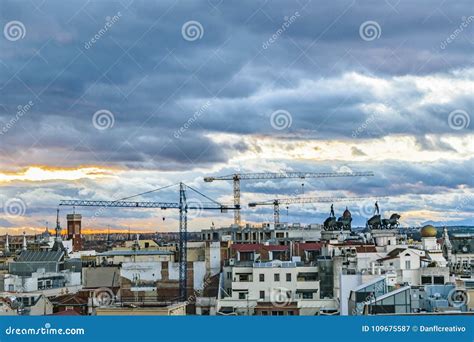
x=101 y=100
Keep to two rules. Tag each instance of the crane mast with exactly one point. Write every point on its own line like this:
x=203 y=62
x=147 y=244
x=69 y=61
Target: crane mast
x=183 y=208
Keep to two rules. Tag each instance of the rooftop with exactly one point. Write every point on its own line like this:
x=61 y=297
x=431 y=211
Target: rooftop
x=40 y=256
x=132 y=252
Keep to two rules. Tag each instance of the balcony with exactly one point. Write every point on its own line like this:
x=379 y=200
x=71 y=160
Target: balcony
x=243 y=277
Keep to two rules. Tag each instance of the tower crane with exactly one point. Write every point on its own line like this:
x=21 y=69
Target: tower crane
x=300 y=200
x=183 y=208
x=237 y=177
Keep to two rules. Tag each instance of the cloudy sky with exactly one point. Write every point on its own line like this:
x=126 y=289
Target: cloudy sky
x=106 y=99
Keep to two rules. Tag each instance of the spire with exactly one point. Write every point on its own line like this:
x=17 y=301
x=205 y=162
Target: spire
x=447 y=243
x=7 y=244
x=24 y=242
x=58 y=243
x=136 y=244
x=58 y=226
x=108 y=241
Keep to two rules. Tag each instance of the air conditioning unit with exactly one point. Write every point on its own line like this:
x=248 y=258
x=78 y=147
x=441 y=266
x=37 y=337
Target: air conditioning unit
x=231 y=262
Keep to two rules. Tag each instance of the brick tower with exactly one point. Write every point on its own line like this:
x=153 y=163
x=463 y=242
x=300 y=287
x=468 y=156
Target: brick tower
x=74 y=231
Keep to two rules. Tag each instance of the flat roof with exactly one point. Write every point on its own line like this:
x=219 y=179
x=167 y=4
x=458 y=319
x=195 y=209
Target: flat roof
x=118 y=253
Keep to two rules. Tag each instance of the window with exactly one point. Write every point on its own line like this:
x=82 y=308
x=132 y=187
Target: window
x=242 y=295
x=288 y=277
x=276 y=277
x=290 y=313
x=425 y=280
x=244 y=277
x=438 y=280
x=307 y=295
x=246 y=256
x=407 y=264
x=229 y=275
x=261 y=277
x=262 y=294
x=264 y=313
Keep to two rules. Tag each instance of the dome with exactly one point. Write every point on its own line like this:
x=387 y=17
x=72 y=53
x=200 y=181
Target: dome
x=428 y=231
x=346 y=214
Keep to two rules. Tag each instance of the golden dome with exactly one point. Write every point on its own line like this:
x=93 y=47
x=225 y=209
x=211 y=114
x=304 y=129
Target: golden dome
x=428 y=231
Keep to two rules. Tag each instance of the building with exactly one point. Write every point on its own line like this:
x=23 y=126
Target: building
x=272 y=288
x=459 y=251
x=24 y=304
x=74 y=231
x=279 y=234
x=118 y=257
x=43 y=270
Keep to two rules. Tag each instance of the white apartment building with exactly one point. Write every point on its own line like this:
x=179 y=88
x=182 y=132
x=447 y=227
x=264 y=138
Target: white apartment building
x=272 y=288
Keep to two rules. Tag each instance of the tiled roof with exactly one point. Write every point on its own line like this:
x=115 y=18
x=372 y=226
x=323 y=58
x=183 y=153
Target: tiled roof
x=137 y=252
x=366 y=249
x=309 y=246
x=246 y=247
x=275 y=248
x=252 y=247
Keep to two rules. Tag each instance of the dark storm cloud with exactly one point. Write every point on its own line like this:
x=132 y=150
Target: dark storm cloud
x=153 y=80
x=169 y=96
